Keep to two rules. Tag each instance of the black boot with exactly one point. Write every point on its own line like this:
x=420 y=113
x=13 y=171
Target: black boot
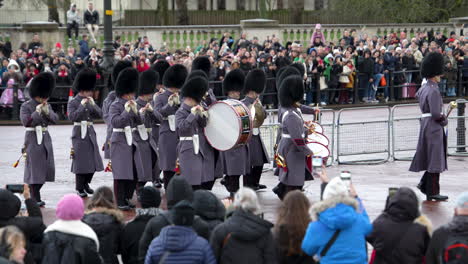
x=437 y=198
x=88 y=189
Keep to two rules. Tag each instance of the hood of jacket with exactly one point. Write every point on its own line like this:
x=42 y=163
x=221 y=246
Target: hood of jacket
x=14 y=63
x=178 y=189
x=177 y=238
x=10 y=204
x=459 y=225
x=403 y=205
x=103 y=220
x=338 y=212
x=246 y=226
x=208 y=206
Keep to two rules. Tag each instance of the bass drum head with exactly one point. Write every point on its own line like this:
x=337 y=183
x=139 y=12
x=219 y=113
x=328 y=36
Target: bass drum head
x=317 y=127
x=319 y=149
x=318 y=138
x=222 y=129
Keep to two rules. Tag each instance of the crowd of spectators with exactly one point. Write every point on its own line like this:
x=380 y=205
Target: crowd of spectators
x=357 y=68
x=197 y=227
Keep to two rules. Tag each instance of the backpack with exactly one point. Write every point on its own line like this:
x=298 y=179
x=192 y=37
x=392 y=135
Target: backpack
x=455 y=250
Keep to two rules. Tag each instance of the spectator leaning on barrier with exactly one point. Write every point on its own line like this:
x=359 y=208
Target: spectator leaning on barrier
x=91 y=21
x=32 y=225
x=400 y=234
x=449 y=243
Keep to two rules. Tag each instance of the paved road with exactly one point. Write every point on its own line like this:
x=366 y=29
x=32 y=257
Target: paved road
x=371 y=181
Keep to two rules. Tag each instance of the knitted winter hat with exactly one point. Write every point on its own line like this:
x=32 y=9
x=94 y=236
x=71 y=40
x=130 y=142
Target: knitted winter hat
x=149 y=197
x=336 y=187
x=70 y=207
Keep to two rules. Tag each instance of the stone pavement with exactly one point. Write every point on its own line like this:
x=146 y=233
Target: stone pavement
x=371 y=181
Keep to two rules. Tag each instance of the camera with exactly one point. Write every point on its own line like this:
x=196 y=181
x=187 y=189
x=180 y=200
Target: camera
x=346 y=178
x=15 y=188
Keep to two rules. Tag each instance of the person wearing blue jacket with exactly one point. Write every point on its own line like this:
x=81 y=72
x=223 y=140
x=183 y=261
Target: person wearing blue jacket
x=178 y=243
x=339 y=210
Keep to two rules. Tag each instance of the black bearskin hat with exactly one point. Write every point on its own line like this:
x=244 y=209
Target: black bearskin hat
x=175 y=76
x=202 y=63
x=432 y=65
x=160 y=67
x=42 y=85
x=85 y=80
x=255 y=81
x=127 y=82
x=194 y=88
x=285 y=72
x=291 y=91
x=119 y=66
x=147 y=82
x=197 y=73
x=299 y=67
x=234 y=81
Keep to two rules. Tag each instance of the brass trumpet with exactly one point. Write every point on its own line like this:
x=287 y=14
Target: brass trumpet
x=258 y=115
x=452 y=105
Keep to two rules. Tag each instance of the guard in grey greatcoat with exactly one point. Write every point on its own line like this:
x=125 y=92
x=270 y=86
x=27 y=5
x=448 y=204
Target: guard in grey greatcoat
x=196 y=157
x=36 y=115
x=119 y=66
x=254 y=84
x=167 y=104
x=123 y=115
x=85 y=151
x=160 y=67
x=431 y=155
x=292 y=149
x=146 y=89
x=203 y=63
x=236 y=161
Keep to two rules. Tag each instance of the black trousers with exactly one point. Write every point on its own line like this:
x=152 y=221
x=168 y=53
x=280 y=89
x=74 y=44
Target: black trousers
x=124 y=190
x=204 y=186
x=82 y=180
x=167 y=176
x=36 y=191
x=232 y=183
x=283 y=189
x=429 y=183
x=252 y=179
x=73 y=26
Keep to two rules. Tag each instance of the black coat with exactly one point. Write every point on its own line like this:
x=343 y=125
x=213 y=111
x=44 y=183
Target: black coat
x=63 y=248
x=177 y=190
x=108 y=225
x=243 y=238
x=131 y=237
x=458 y=226
x=32 y=226
x=209 y=208
x=400 y=234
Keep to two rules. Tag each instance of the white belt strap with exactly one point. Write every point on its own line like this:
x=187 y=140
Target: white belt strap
x=196 y=142
x=128 y=133
x=119 y=130
x=256 y=131
x=142 y=131
x=426 y=115
x=38 y=130
x=171 y=120
x=285 y=136
x=185 y=138
x=79 y=123
x=84 y=127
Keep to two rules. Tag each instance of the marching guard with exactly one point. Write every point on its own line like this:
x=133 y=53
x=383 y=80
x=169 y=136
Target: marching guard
x=160 y=67
x=119 y=66
x=236 y=161
x=82 y=109
x=292 y=149
x=36 y=115
x=431 y=155
x=123 y=115
x=203 y=64
x=167 y=104
x=254 y=84
x=196 y=157
x=146 y=89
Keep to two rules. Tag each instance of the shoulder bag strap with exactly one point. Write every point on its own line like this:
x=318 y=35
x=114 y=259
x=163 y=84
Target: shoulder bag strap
x=330 y=243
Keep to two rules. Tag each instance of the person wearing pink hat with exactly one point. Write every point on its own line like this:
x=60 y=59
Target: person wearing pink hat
x=317 y=34
x=69 y=240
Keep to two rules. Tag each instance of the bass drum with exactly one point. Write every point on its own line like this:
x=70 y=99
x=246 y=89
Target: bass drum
x=229 y=125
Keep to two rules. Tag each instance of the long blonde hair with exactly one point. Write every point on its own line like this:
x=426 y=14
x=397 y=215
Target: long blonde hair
x=11 y=238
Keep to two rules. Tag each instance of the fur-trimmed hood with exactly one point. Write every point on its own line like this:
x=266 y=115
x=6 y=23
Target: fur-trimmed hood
x=338 y=212
x=112 y=212
x=424 y=221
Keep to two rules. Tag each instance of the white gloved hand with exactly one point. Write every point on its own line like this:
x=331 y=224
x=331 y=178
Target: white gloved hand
x=149 y=108
x=194 y=110
x=177 y=99
x=142 y=110
x=155 y=96
x=45 y=109
x=39 y=108
x=84 y=101
x=134 y=107
x=204 y=113
x=127 y=106
x=91 y=101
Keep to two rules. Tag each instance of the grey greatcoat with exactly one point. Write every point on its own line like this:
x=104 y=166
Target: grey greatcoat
x=105 y=114
x=168 y=139
x=292 y=148
x=236 y=161
x=150 y=120
x=127 y=159
x=195 y=168
x=258 y=153
x=86 y=151
x=39 y=166
x=155 y=124
x=431 y=152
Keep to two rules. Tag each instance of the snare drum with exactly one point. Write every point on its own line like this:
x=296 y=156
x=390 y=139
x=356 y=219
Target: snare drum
x=319 y=138
x=319 y=149
x=229 y=125
x=316 y=127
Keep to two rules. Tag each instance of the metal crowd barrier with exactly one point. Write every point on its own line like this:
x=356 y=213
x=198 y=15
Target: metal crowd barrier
x=457 y=145
x=364 y=142
x=405 y=131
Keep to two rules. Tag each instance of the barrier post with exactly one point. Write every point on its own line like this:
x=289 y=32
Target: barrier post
x=461 y=129
x=390 y=85
x=459 y=82
x=356 y=89
x=317 y=86
x=14 y=111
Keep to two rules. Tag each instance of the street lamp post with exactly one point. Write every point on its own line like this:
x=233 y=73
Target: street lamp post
x=108 y=50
